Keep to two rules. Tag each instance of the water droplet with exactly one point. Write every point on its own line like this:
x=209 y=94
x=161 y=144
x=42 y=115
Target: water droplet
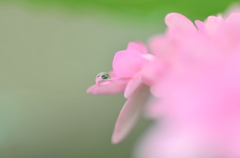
x=101 y=77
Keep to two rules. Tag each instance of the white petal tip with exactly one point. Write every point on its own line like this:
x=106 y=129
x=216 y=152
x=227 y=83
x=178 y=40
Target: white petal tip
x=176 y=20
x=126 y=95
x=116 y=140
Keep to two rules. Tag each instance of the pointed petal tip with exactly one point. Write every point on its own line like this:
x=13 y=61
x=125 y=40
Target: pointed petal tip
x=89 y=90
x=126 y=95
x=116 y=140
x=119 y=133
x=92 y=90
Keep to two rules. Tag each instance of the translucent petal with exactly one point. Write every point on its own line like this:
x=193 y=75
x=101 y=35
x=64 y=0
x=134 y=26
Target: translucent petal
x=130 y=114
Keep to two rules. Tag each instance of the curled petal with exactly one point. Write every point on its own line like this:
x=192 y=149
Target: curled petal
x=127 y=63
x=111 y=86
x=137 y=46
x=178 y=21
x=129 y=114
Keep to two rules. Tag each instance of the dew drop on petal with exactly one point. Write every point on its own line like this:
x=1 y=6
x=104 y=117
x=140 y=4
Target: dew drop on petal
x=101 y=77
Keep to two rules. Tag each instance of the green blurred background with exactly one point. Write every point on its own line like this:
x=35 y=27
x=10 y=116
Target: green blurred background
x=50 y=53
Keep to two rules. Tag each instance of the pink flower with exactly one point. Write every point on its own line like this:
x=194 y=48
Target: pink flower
x=126 y=77
x=198 y=92
x=194 y=77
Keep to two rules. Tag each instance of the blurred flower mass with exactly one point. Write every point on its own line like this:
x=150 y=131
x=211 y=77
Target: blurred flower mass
x=166 y=86
x=193 y=74
x=126 y=77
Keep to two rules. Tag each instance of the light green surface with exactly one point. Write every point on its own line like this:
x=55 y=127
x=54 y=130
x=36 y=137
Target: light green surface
x=48 y=60
x=50 y=53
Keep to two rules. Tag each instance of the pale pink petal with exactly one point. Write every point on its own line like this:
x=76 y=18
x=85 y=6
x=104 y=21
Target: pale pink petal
x=165 y=142
x=178 y=21
x=199 y=93
x=133 y=85
x=136 y=80
x=206 y=100
x=112 y=74
x=153 y=71
x=232 y=25
x=162 y=47
x=148 y=57
x=155 y=109
x=211 y=25
x=111 y=86
x=233 y=20
x=130 y=114
x=127 y=63
x=137 y=46
x=199 y=24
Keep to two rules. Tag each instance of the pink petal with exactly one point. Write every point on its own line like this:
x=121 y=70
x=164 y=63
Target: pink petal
x=148 y=57
x=199 y=24
x=162 y=47
x=111 y=86
x=127 y=63
x=211 y=25
x=232 y=25
x=112 y=74
x=178 y=21
x=133 y=85
x=170 y=142
x=129 y=114
x=153 y=71
x=137 y=46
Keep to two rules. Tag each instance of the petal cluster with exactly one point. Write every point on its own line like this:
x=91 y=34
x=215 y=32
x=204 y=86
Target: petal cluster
x=128 y=66
x=194 y=78
x=197 y=95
